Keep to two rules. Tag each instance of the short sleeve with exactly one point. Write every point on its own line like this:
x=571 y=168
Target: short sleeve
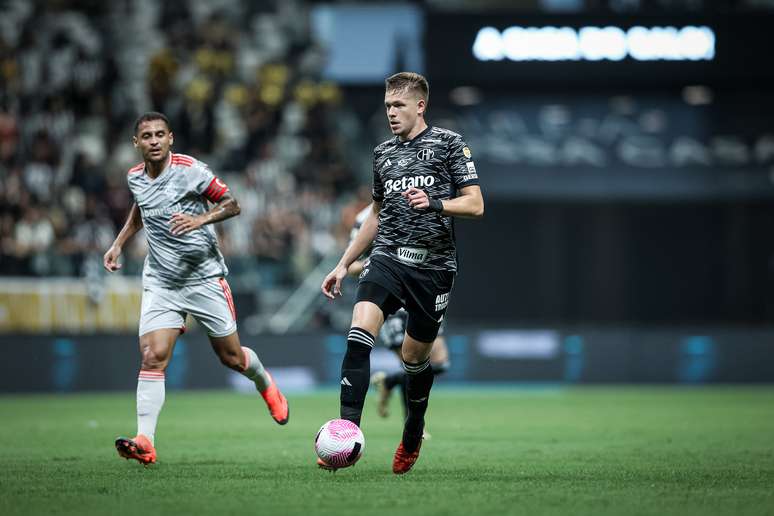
x=460 y=162
x=205 y=183
x=377 y=192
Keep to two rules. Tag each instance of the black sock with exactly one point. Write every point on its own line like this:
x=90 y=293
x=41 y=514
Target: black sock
x=419 y=381
x=355 y=371
x=404 y=394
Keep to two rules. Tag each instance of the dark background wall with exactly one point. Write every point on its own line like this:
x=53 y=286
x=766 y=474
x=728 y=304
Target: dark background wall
x=636 y=263
x=565 y=355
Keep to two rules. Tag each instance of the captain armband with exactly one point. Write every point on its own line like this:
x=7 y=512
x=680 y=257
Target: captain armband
x=215 y=190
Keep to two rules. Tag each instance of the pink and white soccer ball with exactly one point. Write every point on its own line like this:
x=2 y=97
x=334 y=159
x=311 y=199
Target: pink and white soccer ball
x=339 y=443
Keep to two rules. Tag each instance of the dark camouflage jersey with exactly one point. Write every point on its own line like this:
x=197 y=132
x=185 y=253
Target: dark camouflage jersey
x=438 y=162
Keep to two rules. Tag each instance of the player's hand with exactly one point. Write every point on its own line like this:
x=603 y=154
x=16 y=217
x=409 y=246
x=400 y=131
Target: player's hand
x=331 y=285
x=183 y=223
x=110 y=260
x=417 y=198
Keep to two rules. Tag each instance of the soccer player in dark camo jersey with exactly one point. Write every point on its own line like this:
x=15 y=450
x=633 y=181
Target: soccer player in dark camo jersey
x=423 y=177
x=184 y=273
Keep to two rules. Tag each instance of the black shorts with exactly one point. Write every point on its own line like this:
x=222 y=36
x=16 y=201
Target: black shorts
x=423 y=293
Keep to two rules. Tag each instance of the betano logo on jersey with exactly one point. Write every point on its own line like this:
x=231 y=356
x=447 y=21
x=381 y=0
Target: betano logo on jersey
x=404 y=183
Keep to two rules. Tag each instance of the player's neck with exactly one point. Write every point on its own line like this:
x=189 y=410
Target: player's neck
x=420 y=126
x=155 y=168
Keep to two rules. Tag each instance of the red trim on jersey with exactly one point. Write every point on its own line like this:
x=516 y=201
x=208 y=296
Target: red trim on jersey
x=182 y=160
x=215 y=190
x=137 y=168
x=229 y=299
x=184 y=156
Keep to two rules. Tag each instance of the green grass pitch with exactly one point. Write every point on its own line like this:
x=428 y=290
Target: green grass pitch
x=532 y=451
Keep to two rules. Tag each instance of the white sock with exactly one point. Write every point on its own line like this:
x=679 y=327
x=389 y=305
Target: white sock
x=255 y=371
x=150 y=399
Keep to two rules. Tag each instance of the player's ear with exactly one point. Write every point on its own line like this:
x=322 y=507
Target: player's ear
x=135 y=141
x=171 y=138
x=421 y=104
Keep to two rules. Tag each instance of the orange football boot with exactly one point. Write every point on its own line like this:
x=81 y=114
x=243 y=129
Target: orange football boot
x=139 y=448
x=403 y=460
x=278 y=405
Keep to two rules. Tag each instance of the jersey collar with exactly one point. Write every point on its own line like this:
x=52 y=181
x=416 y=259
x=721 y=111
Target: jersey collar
x=410 y=143
x=166 y=167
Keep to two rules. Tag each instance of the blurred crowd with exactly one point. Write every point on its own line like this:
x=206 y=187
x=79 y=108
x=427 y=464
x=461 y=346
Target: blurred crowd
x=240 y=84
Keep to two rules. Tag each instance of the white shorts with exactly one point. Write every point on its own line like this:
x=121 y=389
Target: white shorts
x=210 y=303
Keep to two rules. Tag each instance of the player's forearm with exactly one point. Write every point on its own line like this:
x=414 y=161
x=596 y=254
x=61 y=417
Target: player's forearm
x=362 y=241
x=468 y=205
x=226 y=208
x=132 y=225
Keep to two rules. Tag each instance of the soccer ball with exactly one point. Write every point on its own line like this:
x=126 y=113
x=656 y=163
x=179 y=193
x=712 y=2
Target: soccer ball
x=339 y=443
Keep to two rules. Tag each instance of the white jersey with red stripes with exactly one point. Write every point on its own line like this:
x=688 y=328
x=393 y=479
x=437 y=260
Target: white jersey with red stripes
x=184 y=186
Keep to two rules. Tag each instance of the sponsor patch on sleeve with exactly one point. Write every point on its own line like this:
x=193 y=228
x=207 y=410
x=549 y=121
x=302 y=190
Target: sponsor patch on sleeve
x=466 y=152
x=471 y=172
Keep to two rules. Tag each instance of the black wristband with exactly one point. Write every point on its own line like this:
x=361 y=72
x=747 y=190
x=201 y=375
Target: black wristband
x=435 y=205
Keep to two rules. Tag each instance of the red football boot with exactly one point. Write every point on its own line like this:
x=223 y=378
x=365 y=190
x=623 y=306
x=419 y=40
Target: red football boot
x=139 y=448
x=403 y=460
x=278 y=405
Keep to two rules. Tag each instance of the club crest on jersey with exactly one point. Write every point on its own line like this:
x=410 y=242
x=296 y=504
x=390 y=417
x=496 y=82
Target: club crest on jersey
x=404 y=183
x=425 y=154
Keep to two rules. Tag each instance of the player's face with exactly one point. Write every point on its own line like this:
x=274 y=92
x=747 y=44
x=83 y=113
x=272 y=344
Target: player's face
x=153 y=139
x=404 y=110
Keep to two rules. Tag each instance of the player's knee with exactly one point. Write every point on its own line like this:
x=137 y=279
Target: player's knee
x=368 y=316
x=153 y=359
x=414 y=354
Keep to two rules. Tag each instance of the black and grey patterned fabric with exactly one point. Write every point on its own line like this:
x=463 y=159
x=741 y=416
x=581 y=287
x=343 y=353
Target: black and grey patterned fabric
x=437 y=161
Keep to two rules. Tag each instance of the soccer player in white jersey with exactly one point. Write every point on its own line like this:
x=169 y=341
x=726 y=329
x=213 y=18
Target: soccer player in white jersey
x=184 y=273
